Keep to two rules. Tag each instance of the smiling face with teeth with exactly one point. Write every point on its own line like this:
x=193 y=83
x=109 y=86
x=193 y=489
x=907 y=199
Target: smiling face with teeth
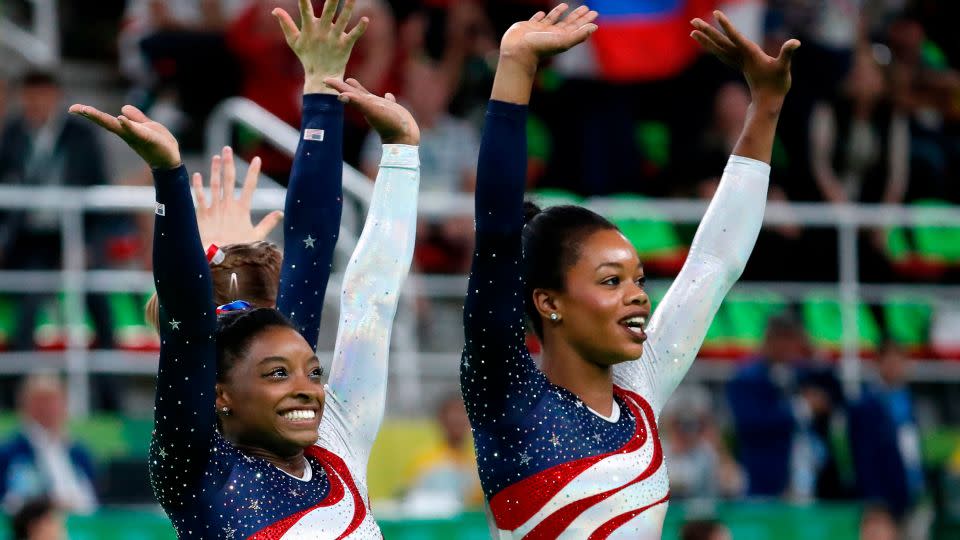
x=274 y=393
x=603 y=306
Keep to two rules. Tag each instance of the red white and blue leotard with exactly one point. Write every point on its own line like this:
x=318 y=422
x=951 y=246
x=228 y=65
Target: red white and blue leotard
x=551 y=467
x=208 y=487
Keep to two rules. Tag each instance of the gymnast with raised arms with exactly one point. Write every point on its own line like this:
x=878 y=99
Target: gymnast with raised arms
x=570 y=449
x=248 y=442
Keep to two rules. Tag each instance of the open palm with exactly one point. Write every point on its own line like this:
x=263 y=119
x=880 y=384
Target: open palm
x=226 y=219
x=763 y=72
x=322 y=44
x=392 y=121
x=546 y=34
x=150 y=140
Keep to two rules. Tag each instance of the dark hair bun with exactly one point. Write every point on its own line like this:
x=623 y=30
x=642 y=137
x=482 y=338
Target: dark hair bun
x=530 y=211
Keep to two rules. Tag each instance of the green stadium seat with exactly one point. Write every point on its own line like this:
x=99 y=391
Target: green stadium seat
x=925 y=251
x=716 y=344
x=8 y=321
x=747 y=315
x=908 y=322
x=823 y=320
x=937 y=243
x=50 y=332
x=654 y=237
x=130 y=328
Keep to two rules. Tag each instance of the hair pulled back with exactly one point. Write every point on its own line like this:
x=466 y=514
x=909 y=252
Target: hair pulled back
x=257 y=269
x=257 y=266
x=236 y=330
x=552 y=240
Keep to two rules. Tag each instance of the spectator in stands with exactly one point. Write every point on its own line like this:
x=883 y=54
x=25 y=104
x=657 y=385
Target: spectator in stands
x=443 y=479
x=876 y=523
x=923 y=86
x=704 y=529
x=782 y=408
x=39 y=519
x=700 y=465
x=41 y=460
x=4 y=92
x=44 y=146
x=860 y=144
x=885 y=438
x=448 y=155
x=776 y=254
x=167 y=46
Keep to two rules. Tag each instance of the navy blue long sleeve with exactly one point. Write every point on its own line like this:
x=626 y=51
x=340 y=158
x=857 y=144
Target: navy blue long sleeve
x=312 y=213
x=184 y=415
x=495 y=358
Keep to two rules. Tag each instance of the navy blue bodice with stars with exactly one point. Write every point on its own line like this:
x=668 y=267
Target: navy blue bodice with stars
x=209 y=488
x=551 y=467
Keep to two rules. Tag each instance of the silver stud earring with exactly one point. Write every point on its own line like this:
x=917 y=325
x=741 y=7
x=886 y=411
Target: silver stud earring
x=554 y=316
x=225 y=411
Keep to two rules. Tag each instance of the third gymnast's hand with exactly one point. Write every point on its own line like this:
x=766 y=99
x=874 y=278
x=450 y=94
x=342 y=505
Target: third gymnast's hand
x=545 y=35
x=226 y=219
x=394 y=123
x=322 y=45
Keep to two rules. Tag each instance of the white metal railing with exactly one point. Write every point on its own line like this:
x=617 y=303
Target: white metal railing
x=76 y=281
x=40 y=43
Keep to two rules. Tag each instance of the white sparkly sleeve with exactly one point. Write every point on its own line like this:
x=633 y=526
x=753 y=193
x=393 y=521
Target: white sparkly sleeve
x=356 y=391
x=717 y=257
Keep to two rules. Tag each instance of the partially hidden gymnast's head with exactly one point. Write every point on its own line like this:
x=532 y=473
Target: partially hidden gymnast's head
x=242 y=263
x=584 y=285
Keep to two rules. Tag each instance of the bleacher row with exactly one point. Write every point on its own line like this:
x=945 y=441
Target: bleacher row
x=736 y=331
x=921 y=252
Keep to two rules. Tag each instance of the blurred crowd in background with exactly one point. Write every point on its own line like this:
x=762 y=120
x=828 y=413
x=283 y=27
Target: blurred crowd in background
x=873 y=117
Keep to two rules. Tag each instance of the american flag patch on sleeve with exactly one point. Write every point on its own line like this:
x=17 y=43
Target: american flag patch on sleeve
x=313 y=135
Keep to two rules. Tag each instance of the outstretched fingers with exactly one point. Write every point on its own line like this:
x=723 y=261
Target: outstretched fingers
x=134 y=113
x=538 y=16
x=198 y=194
x=289 y=28
x=344 y=17
x=229 y=174
x=216 y=193
x=357 y=31
x=581 y=34
x=715 y=35
x=267 y=224
x=555 y=14
x=356 y=84
x=573 y=19
x=327 y=13
x=250 y=182
x=98 y=117
x=786 y=52
x=731 y=31
x=710 y=46
x=132 y=130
